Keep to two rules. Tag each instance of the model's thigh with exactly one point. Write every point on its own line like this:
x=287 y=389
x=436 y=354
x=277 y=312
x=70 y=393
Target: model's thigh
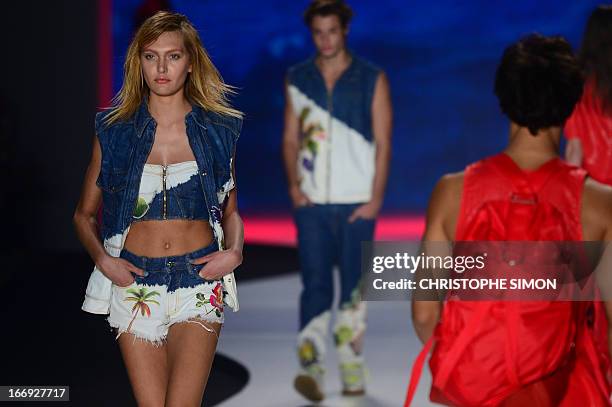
x=147 y=368
x=191 y=350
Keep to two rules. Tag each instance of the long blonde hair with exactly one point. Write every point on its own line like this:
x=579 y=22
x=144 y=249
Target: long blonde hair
x=204 y=86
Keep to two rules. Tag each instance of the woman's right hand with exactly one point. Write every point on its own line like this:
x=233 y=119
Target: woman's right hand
x=118 y=270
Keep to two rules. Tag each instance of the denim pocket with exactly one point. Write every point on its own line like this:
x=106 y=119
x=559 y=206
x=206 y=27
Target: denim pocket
x=194 y=269
x=113 y=186
x=138 y=279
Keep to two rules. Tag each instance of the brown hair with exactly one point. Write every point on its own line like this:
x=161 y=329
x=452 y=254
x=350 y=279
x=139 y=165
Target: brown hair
x=596 y=54
x=204 y=86
x=327 y=8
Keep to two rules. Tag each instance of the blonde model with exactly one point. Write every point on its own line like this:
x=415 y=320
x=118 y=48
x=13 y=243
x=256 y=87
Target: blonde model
x=170 y=235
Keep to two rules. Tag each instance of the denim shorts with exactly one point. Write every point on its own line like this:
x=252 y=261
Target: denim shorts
x=171 y=291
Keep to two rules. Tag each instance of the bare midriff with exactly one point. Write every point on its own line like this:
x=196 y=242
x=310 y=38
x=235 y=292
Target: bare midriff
x=161 y=238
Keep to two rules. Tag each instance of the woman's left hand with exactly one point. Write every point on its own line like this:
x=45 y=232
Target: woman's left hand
x=218 y=264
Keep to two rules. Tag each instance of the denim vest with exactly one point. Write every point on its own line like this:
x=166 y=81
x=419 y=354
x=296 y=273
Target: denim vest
x=125 y=147
x=336 y=160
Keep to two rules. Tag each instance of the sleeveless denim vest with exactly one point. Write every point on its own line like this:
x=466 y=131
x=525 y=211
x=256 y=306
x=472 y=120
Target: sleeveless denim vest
x=125 y=148
x=336 y=160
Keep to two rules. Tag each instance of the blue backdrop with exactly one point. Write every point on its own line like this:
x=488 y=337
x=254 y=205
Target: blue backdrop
x=440 y=57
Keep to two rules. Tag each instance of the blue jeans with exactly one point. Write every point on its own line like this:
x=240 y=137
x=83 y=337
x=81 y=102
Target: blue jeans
x=326 y=239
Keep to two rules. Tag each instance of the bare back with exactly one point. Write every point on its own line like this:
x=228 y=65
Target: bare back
x=443 y=213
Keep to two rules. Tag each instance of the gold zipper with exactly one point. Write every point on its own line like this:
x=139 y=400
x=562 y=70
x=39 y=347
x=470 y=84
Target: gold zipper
x=165 y=196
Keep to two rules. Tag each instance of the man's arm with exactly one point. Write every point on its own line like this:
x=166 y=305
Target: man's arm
x=382 y=123
x=291 y=147
x=442 y=214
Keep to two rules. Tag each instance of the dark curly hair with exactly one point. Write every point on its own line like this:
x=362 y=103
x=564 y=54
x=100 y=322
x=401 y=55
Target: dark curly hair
x=327 y=8
x=538 y=82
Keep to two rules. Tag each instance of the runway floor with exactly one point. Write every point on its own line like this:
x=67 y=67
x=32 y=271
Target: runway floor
x=261 y=336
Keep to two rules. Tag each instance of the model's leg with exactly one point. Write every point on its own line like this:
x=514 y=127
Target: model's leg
x=350 y=325
x=317 y=253
x=137 y=311
x=147 y=368
x=191 y=349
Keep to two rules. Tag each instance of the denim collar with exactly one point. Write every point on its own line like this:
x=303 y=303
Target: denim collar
x=350 y=72
x=142 y=117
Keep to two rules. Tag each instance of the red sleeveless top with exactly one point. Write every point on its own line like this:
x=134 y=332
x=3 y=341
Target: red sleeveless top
x=593 y=126
x=486 y=353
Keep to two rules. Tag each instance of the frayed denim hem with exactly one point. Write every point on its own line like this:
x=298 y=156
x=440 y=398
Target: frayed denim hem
x=199 y=319
x=160 y=340
x=154 y=340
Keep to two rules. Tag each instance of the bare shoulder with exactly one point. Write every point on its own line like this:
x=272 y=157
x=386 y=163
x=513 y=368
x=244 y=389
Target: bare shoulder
x=449 y=187
x=444 y=204
x=381 y=87
x=596 y=208
x=382 y=79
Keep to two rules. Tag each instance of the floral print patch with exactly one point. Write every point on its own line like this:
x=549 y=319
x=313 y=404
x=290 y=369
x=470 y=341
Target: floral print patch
x=313 y=133
x=214 y=302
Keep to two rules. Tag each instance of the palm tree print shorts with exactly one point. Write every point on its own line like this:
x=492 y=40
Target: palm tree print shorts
x=171 y=291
